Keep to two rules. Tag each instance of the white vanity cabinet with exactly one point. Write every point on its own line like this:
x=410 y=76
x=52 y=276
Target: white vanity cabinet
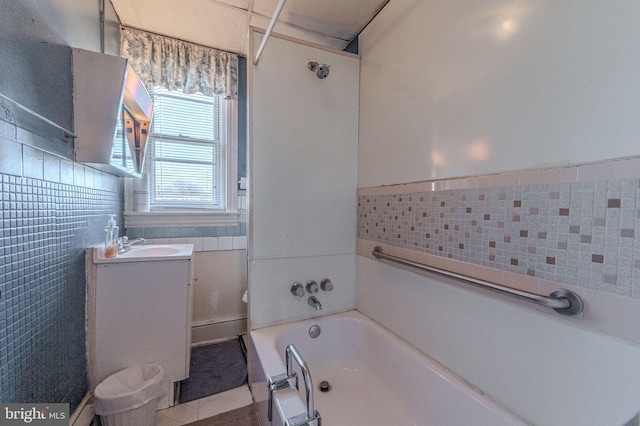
x=139 y=311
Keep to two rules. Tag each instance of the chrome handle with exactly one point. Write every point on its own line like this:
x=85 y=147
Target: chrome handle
x=326 y=284
x=297 y=290
x=563 y=301
x=312 y=287
x=291 y=353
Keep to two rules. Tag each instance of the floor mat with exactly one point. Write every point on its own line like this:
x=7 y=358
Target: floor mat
x=214 y=368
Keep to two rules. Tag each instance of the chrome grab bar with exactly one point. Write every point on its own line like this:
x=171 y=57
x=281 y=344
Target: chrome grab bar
x=562 y=301
x=281 y=381
x=292 y=353
x=276 y=383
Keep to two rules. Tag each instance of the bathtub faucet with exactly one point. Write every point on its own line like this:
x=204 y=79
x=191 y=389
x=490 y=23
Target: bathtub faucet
x=314 y=303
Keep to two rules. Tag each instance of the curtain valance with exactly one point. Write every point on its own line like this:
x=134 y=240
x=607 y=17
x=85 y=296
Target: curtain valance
x=179 y=65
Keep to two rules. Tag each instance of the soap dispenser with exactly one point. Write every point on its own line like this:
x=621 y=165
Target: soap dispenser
x=111 y=238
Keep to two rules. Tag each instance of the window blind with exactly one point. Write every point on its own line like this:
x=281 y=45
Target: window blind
x=187 y=164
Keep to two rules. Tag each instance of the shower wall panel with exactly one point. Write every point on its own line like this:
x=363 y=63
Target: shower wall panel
x=453 y=88
x=304 y=134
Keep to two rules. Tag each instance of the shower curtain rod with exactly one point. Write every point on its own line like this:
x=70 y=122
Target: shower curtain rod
x=274 y=18
x=563 y=301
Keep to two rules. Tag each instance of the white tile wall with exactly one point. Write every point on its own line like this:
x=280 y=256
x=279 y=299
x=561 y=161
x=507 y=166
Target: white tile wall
x=225 y=243
x=210 y=243
x=197 y=243
x=206 y=243
x=239 y=243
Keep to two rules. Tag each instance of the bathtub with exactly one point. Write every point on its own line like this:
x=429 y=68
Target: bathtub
x=375 y=378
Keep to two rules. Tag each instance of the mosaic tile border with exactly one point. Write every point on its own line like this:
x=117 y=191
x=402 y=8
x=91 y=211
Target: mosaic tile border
x=577 y=233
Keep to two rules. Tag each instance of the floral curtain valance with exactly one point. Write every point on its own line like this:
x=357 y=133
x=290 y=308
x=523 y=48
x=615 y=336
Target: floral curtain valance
x=179 y=65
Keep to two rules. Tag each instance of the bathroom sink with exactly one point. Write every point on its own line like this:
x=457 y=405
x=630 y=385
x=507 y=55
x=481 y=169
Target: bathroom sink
x=148 y=253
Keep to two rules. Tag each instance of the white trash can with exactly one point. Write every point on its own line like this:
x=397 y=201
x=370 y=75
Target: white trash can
x=130 y=396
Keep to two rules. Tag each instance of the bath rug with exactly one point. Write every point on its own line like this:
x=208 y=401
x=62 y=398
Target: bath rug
x=214 y=368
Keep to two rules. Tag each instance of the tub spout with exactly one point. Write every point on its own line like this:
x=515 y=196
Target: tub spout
x=314 y=303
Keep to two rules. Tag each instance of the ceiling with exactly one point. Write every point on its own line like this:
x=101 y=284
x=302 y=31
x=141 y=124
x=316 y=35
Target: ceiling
x=224 y=24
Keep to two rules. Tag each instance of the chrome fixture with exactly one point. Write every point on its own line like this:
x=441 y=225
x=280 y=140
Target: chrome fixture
x=314 y=303
x=281 y=381
x=326 y=284
x=325 y=386
x=311 y=414
x=124 y=245
x=272 y=23
x=563 y=301
x=321 y=70
x=314 y=331
x=312 y=287
x=297 y=290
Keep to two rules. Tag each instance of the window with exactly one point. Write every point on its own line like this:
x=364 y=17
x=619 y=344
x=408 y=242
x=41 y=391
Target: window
x=187 y=151
x=191 y=159
x=191 y=162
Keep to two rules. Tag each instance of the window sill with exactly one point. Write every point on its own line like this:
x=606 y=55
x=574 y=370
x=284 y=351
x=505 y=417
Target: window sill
x=180 y=218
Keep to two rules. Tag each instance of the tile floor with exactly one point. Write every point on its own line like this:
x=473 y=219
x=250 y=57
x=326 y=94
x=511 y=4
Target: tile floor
x=205 y=407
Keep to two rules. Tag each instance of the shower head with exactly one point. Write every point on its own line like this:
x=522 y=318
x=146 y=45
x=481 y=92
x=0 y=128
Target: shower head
x=322 y=70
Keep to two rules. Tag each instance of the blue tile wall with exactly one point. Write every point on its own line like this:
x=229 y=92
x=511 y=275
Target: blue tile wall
x=188 y=231
x=45 y=225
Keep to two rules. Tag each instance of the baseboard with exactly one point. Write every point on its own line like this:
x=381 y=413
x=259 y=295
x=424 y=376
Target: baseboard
x=218 y=330
x=83 y=415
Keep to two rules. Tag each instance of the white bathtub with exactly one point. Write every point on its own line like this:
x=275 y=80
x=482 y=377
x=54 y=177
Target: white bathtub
x=376 y=378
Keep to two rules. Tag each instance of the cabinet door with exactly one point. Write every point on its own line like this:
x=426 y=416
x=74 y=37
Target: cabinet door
x=142 y=316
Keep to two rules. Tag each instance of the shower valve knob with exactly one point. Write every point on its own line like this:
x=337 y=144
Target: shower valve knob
x=326 y=284
x=297 y=290
x=312 y=287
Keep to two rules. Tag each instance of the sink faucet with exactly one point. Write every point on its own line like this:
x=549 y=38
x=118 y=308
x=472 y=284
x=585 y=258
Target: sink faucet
x=315 y=303
x=124 y=245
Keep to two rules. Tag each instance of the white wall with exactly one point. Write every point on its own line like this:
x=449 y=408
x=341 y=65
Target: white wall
x=464 y=88
x=303 y=146
x=540 y=365
x=220 y=279
x=451 y=89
